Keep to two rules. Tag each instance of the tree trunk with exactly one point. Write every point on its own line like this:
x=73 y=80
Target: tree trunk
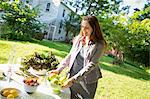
x=67 y=39
x=88 y=10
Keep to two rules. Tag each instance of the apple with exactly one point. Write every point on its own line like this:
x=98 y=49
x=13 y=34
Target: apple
x=55 y=81
x=52 y=76
x=31 y=81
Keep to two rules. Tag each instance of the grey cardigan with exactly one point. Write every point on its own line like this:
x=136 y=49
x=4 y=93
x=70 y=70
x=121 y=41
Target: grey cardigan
x=90 y=71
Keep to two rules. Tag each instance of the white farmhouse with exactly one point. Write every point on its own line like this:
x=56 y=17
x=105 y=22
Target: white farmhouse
x=52 y=13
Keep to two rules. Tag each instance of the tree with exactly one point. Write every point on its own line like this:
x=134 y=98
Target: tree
x=129 y=35
x=141 y=15
x=126 y=9
x=115 y=35
x=20 y=20
x=139 y=41
x=147 y=4
x=96 y=7
x=72 y=25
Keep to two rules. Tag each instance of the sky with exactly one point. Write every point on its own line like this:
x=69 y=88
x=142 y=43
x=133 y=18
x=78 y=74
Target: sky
x=134 y=4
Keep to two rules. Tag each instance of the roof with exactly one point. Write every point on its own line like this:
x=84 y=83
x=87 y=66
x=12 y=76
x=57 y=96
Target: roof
x=67 y=6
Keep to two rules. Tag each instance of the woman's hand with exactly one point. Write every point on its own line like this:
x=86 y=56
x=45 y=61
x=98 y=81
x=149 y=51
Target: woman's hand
x=68 y=83
x=54 y=71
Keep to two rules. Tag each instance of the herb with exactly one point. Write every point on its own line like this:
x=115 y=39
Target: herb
x=40 y=61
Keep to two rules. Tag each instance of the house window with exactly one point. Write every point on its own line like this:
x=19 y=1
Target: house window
x=61 y=24
x=48 y=7
x=63 y=13
x=59 y=30
x=53 y=23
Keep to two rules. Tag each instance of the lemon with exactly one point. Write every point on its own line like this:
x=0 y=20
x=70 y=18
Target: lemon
x=14 y=93
x=5 y=93
x=10 y=96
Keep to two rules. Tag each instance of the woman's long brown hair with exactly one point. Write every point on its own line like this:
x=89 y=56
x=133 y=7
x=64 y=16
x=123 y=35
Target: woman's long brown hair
x=97 y=34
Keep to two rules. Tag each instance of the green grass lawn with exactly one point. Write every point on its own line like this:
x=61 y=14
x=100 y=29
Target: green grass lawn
x=118 y=82
x=27 y=48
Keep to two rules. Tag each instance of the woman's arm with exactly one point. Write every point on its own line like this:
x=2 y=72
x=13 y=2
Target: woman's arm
x=95 y=55
x=64 y=63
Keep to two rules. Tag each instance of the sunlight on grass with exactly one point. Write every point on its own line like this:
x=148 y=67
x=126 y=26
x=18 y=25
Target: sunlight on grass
x=114 y=86
x=24 y=49
x=105 y=63
x=119 y=81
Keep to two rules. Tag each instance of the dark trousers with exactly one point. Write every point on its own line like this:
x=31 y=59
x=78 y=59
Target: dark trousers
x=83 y=91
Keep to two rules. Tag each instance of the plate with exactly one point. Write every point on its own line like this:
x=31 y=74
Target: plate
x=39 y=72
x=10 y=89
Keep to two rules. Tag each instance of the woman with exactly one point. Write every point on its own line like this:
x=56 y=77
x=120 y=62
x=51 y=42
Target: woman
x=82 y=60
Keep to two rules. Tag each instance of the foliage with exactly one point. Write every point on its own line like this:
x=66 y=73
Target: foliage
x=113 y=31
x=129 y=35
x=98 y=7
x=138 y=37
x=138 y=40
x=39 y=36
x=141 y=15
x=147 y=4
x=20 y=20
x=72 y=25
x=126 y=9
x=41 y=61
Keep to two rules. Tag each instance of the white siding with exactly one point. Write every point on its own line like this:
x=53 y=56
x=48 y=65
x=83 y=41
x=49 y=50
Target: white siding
x=47 y=16
x=61 y=36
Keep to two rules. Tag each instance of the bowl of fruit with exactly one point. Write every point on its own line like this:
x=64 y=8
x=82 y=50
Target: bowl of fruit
x=55 y=82
x=30 y=85
x=10 y=93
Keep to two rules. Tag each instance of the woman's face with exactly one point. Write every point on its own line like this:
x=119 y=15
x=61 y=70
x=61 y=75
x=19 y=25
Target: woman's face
x=86 y=28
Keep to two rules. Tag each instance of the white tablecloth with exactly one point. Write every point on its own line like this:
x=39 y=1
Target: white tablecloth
x=43 y=91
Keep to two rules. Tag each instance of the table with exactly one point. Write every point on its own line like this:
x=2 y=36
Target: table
x=43 y=91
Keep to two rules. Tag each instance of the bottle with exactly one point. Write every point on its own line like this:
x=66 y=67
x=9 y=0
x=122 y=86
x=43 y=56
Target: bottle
x=9 y=72
x=10 y=63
